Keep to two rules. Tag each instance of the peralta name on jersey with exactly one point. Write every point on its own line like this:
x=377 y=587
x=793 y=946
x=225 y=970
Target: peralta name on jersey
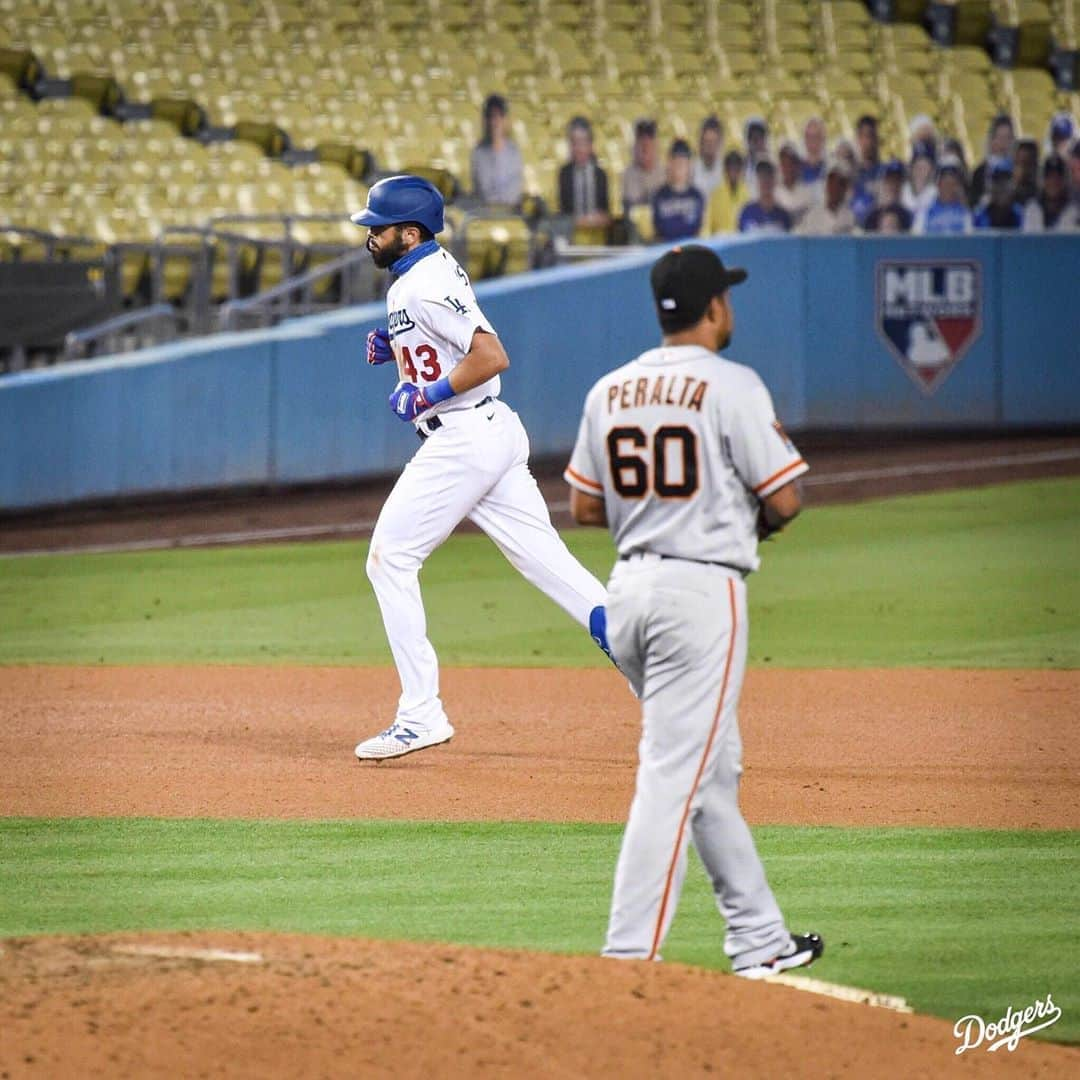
x=680 y=390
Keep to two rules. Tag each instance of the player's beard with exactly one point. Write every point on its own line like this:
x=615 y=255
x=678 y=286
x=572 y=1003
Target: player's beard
x=389 y=253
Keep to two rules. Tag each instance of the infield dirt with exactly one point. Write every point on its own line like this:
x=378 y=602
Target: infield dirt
x=331 y=1007
x=866 y=747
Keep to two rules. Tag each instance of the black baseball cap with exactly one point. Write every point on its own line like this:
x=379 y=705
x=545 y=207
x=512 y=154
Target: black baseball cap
x=684 y=280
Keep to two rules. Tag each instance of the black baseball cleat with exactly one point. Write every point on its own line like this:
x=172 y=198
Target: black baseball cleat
x=803 y=951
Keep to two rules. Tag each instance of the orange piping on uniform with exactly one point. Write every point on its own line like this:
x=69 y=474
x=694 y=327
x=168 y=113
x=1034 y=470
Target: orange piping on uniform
x=697 y=779
x=776 y=475
x=583 y=479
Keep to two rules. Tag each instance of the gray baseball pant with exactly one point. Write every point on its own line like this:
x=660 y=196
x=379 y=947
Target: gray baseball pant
x=679 y=632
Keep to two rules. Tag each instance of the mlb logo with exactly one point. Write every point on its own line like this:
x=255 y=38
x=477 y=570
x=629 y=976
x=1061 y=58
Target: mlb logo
x=929 y=313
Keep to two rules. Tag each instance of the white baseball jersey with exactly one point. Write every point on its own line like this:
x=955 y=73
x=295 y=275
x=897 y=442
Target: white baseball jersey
x=682 y=444
x=474 y=465
x=432 y=315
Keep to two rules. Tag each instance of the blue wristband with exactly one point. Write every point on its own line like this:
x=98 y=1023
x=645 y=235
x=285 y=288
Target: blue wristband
x=439 y=391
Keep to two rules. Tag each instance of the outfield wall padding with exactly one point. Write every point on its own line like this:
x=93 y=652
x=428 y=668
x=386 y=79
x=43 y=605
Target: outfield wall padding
x=298 y=404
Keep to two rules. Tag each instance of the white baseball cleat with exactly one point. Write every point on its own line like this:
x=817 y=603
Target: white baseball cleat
x=401 y=739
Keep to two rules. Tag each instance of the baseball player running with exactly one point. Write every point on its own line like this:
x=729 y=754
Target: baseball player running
x=473 y=460
x=680 y=452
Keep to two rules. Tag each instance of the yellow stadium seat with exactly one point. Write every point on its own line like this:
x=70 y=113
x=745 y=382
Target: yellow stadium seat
x=908 y=12
x=845 y=83
x=846 y=37
x=972 y=20
x=790 y=13
x=912 y=60
x=278 y=66
x=796 y=63
x=1029 y=82
x=496 y=246
x=684 y=40
x=641 y=218
x=77 y=109
x=1031 y=20
x=632 y=16
x=510 y=16
x=796 y=111
x=849 y=11
x=739 y=62
x=738 y=39
x=791 y=38
x=966 y=57
x=566 y=14
x=905 y=36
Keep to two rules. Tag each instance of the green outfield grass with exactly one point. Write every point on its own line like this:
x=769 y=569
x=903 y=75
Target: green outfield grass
x=956 y=921
x=976 y=578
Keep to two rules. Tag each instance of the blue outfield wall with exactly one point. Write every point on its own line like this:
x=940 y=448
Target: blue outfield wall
x=299 y=404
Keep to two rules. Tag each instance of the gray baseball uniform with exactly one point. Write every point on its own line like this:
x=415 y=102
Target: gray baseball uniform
x=681 y=445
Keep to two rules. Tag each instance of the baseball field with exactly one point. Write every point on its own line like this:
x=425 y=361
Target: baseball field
x=199 y=879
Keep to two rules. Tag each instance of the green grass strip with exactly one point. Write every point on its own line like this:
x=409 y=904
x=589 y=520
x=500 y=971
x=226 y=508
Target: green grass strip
x=957 y=921
x=978 y=578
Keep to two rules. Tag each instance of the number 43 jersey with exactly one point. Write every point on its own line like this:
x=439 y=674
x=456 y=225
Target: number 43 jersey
x=682 y=445
x=432 y=315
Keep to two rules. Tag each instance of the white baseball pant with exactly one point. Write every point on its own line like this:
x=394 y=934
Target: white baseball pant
x=476 y=466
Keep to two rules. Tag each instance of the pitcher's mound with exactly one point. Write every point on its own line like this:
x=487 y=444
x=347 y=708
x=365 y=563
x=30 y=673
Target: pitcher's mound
x=217 y=1004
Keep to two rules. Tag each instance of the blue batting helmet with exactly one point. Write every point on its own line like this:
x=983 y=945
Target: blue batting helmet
x=398 y=199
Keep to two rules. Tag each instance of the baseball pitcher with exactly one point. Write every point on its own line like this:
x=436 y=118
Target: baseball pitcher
x=681 y=454
x=473 y=460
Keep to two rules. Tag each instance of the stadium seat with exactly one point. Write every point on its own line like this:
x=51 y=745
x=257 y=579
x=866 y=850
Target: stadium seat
x=796 y=63
x=972 y=20
x=847 y=37
x=280 y=69
x=843 y=84
x=1022 y=29
x=791 y=37
x=494 y=246
x=908 y=11
x=847 y=11
x=791 y=13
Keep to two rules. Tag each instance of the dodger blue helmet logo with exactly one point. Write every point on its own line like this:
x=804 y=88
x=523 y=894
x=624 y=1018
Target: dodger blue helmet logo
x=398 y=199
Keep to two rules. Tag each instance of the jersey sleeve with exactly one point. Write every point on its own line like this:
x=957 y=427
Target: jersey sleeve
x=584 y=471
x=454 y=319
x=763 y=455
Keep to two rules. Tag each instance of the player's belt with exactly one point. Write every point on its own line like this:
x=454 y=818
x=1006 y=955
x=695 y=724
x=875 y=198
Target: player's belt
x=681 y=558
x=429 y=427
